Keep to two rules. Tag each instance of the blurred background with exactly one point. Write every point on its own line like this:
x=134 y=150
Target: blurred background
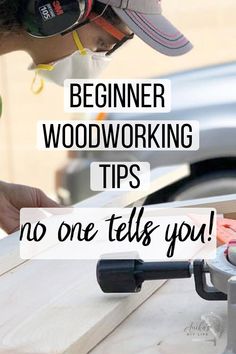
x=210 y=25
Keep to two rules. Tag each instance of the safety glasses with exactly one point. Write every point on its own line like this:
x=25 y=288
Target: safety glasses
x=112 y=30
x=120 y=43
x=121 y=37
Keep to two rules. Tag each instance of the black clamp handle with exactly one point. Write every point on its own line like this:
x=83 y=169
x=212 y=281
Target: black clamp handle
x=128 y=275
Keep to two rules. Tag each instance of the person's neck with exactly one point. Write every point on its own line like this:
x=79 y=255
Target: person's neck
x=10 y=42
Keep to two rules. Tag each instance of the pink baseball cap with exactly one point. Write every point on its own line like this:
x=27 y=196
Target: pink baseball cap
x=145 y=19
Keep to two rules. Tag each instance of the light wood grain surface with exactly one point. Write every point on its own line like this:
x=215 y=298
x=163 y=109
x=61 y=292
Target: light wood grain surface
x=56 y=306
x=159 y=325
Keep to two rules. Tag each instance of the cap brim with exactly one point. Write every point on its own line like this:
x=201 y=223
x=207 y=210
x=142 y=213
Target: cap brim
x=156 y=31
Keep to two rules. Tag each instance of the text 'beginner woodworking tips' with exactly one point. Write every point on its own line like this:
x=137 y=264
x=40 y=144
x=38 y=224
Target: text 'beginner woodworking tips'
x=139 y=96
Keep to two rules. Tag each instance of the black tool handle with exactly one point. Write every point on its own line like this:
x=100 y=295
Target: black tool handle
x=127 y=276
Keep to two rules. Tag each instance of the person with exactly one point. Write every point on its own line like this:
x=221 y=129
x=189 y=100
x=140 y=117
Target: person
x=61 y=50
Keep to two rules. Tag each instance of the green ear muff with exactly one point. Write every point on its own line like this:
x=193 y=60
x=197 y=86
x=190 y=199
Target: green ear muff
x=45 y=18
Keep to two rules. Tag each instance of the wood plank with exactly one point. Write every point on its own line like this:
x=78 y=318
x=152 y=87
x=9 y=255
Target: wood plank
x=158 y=326
x=160 y=177
x=223 y=204
x=56 y=307
x=9 y=253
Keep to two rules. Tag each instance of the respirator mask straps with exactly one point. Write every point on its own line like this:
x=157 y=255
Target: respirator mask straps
x=37 y=85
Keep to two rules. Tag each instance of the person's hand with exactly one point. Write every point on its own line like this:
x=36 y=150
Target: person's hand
x=13 y=197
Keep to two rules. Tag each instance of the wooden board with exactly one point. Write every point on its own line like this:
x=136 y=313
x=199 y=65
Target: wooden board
x=52 y=307
x=159 y=325
x=225 y=205
x=57 y=307
x=9 y=253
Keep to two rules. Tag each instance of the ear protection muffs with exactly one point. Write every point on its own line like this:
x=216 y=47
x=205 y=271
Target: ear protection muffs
x=46 y=18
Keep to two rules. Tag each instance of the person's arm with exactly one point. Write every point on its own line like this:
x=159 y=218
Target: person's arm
x=13 y=197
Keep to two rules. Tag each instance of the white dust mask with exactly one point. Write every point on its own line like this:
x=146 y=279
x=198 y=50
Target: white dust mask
x=82 y=64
